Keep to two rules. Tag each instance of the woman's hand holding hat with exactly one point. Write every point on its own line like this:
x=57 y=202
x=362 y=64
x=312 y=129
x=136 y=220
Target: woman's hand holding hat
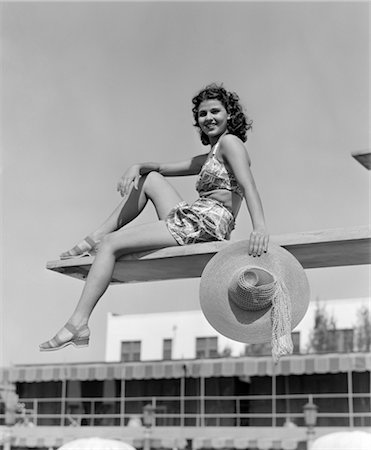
x=258 y=243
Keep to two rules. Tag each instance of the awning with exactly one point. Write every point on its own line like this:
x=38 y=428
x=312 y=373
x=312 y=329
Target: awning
x=221 y=367
x=262 y=438
x=35 y=440
x=171 y=443
x=31 y=442
x=243 y=443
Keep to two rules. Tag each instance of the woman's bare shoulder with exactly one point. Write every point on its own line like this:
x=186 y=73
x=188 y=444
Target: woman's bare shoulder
x=231 y=141
x=232 y=145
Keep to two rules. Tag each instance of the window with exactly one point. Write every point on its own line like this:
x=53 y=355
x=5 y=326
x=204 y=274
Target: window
x=341 y=340
x=295 y=336
x=167 y=349
x=207 y=347
x=130 y=350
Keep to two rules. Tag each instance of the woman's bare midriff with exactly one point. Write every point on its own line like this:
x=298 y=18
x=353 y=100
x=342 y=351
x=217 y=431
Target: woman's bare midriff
x=230 y=200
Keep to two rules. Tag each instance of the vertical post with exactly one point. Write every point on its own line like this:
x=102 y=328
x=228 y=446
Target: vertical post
x=63 y=401
x=92 y=412
x=238 y=411
x=35 y=407
x=274 y=394
x=310 y=437
x=202 y=400
x=122 y=403
x=287 y=399
x=182 y=391
x=147 y=439
x=148 y=416
x=310 y=419
x=350 y=398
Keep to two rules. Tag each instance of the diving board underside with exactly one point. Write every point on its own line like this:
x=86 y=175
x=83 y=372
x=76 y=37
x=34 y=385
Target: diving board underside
x=329 y=248
x=364 y=158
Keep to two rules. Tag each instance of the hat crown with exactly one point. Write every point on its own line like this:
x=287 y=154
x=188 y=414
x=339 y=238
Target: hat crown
x=252 y=288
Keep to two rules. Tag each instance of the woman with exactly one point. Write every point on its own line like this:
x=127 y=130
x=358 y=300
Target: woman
x=224 y=180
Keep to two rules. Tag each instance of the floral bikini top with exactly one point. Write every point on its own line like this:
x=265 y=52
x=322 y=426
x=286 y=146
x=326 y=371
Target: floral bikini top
x=215 y=175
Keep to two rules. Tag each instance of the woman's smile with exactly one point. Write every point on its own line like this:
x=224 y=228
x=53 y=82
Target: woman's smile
x=213 y=119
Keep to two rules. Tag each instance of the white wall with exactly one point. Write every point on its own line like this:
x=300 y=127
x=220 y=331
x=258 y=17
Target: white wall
x=183 y=328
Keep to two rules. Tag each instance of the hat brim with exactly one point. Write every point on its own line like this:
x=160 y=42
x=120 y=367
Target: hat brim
x=234 y=322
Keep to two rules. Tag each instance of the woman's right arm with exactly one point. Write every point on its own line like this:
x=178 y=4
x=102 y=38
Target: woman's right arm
x=172 y=169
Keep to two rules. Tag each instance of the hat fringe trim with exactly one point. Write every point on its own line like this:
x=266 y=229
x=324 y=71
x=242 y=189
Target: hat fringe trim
x=281 y=322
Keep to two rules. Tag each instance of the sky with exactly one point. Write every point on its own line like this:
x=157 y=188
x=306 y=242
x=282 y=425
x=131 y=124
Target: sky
x=90 y=88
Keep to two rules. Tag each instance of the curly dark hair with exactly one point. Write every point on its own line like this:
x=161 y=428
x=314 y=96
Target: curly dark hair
x=238 y=124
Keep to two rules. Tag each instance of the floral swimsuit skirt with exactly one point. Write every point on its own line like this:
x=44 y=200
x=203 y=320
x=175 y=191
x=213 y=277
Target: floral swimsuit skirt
x=204 y=220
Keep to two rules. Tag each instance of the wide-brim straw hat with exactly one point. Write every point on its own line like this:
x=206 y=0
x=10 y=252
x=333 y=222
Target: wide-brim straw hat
x=249 y=319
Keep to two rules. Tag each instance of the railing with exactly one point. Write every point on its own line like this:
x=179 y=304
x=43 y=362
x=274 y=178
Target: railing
x=258 y=410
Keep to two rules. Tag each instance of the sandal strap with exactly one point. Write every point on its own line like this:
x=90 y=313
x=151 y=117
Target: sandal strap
x=78 y=249
x=75 y=331
x=54 y=342
x=90 y=241
x=71 y=328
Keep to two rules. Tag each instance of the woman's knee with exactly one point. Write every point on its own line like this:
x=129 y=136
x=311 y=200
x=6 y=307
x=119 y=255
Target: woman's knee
x=153 y=179
x=108 y=243
x=117 y=243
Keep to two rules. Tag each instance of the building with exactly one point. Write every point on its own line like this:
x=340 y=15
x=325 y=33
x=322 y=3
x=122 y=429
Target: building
x=205 y=391
x=188 y=335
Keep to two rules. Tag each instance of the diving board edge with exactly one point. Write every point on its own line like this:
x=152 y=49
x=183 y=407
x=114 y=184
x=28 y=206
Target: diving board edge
x=364 y=158
x=315 y=249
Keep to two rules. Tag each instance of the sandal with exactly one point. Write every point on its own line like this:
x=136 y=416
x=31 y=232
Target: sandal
x=79 y=338
x=87 y=247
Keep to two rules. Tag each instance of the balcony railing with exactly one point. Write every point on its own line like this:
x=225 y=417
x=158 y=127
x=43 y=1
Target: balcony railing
x=262 y=410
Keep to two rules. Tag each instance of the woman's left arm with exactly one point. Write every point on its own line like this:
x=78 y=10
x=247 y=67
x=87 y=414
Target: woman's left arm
x=234 y=153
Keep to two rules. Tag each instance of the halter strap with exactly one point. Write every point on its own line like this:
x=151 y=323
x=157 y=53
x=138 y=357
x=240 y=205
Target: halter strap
x=215 y=148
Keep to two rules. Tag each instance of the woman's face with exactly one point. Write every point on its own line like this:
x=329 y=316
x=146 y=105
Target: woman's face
x=212 y=119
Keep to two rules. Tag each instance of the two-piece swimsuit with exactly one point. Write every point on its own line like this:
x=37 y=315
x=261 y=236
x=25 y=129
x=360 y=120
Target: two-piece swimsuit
x=206 y=219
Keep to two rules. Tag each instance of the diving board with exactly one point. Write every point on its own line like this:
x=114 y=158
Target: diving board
x=364 y=158
x=325 y=248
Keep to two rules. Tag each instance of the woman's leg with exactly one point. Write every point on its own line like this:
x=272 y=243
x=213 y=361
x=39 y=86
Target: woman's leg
x=123 y=241
x=152 y=187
